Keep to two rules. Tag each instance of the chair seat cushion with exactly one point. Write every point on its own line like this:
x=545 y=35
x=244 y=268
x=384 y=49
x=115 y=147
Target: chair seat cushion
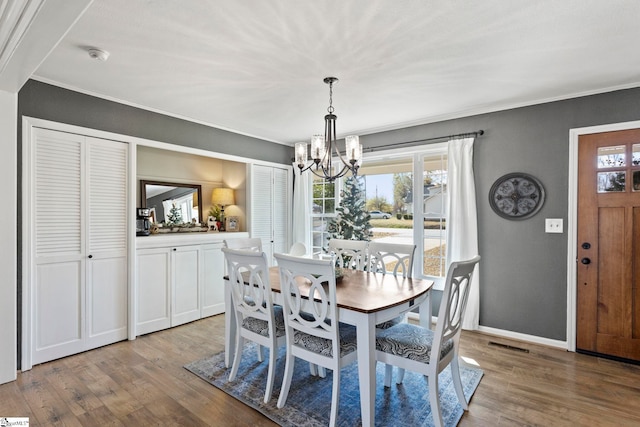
x=409 y=341
x=390 y=323
x=261 y=327
x=323 y=345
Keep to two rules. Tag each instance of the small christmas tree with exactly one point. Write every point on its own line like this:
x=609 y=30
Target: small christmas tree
x=352 y=221
x=175 y=216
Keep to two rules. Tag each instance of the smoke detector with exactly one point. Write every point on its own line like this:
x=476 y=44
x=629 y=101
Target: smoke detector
x=99 y=54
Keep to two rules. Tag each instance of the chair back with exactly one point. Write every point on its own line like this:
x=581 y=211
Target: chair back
x=298 y=249
x=246 y=244
x=391 y=258
x=250 y=287
x=302 y=277
x=454 y=302
x=349 y=253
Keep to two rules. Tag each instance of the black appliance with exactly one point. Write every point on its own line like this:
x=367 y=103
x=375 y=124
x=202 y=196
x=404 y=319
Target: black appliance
x=143 y=223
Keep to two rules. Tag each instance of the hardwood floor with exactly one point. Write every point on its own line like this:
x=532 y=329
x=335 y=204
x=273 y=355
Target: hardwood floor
x=142 y=382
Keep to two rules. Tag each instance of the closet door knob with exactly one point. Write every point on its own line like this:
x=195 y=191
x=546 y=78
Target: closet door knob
x=90 y=256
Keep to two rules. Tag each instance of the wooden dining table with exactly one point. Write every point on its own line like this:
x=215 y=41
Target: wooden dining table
x=364 y=299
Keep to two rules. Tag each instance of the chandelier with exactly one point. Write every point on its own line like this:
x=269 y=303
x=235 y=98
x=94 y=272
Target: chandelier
x=324 y=146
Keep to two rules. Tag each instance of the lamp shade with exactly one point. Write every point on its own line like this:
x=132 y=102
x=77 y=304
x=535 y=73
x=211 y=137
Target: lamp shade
x=223 y=197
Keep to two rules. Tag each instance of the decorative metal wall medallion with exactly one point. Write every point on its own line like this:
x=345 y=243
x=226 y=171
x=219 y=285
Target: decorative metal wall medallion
x=516 y=196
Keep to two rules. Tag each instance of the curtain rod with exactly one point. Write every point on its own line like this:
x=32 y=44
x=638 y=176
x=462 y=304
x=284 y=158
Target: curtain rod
x=429 y=140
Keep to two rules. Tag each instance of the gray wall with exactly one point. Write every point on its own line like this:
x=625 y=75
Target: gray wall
x=44 y=101
x=523 y=270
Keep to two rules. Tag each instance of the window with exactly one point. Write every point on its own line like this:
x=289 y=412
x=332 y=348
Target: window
x=392 y=189
x=434 y=233
x=322 y=210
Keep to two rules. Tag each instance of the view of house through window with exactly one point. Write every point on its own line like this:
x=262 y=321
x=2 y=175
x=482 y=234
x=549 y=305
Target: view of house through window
x=402 y=210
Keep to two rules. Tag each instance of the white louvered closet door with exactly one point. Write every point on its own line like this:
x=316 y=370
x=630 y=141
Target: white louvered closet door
x=79 y=244
x=106 y=241
x=57 y=287
x=270 y=208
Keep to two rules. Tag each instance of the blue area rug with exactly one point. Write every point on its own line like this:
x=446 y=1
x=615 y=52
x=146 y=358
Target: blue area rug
x=309 y=401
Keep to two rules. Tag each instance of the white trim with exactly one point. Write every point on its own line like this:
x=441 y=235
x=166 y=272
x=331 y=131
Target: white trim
x=404 y=152
x=27 y=245
x=533 y=339
x=369 y=131
x=132 y=311
x=523 y=337
x=8 y=238
x=572 y=219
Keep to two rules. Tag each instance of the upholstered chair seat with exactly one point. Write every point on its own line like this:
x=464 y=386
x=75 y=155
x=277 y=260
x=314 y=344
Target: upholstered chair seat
x=410 y=341
x=324 y=346
x=261 y=327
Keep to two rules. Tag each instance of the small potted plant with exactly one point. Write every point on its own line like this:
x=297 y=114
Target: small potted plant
x=214 y=211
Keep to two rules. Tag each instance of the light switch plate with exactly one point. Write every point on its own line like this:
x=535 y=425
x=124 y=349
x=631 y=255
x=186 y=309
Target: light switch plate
x=553 y=225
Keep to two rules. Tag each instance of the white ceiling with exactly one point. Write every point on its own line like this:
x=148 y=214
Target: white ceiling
x=256 y=66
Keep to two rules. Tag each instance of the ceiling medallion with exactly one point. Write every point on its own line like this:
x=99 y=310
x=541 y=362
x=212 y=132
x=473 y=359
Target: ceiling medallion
x=324 y=146
x=516 y=196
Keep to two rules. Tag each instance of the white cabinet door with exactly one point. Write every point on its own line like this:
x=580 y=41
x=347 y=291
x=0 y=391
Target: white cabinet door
x=270 y=208
x=57 y=285
x=58 y=310
x=106 y=247
x=186 y=284
x=212 y=301
x=154 y=290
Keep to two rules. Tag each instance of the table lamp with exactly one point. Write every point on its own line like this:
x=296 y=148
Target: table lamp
x=223 y=197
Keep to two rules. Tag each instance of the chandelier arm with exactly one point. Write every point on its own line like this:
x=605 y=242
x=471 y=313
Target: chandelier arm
x=306 y=168
x=323 y=176
x=326 y=172
x=347 y=164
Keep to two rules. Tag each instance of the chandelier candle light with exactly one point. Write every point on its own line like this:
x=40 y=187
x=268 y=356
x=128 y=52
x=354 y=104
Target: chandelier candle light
x=323 y=147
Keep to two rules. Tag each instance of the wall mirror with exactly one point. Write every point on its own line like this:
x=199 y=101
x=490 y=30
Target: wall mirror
x=159 y=197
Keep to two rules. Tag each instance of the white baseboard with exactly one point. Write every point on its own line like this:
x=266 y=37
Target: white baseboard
x=511 y=335
x=523 y=337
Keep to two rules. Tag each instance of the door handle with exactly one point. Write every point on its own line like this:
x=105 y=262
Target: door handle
x=90 y=256
x=585 y=261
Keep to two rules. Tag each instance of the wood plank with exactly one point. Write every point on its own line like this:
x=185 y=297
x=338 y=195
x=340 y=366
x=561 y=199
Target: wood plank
x=143 y=382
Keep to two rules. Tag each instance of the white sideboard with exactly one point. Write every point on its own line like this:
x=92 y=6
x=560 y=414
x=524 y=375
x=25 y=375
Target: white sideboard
x=179 y=278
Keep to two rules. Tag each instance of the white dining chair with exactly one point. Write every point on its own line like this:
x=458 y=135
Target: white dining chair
x=422 y=350
x=257 y=318
x=390 y=258
x=244 y=243
x=314 y=332
x=349 y=253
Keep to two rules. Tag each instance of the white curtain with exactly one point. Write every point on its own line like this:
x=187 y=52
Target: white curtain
x=301 y=215
x=462 y=221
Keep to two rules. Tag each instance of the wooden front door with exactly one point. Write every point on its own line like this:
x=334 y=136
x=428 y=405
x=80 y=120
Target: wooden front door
x=608 y=269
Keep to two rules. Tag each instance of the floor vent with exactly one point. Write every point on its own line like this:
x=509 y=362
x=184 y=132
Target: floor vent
x=508 y=347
